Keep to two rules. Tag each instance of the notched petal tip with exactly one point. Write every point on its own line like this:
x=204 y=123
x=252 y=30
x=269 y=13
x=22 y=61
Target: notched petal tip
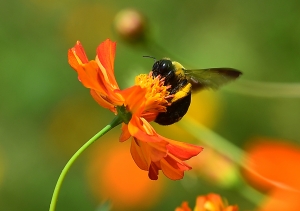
x=79 y=53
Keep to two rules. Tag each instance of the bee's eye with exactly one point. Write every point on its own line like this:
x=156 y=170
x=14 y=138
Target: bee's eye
x=156 y=66
x=162 y=67
x=165 y=65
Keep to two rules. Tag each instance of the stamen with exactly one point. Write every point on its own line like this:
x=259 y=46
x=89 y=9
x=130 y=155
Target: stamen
x=157 y=96
x=150 y=74
x=169 y=97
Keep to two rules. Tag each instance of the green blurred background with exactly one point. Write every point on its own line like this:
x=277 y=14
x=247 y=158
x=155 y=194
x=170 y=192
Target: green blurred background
x=46 y=114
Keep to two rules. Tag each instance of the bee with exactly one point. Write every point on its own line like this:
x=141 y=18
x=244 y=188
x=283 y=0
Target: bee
x=183 y=82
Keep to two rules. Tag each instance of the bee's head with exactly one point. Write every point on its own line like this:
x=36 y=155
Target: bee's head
x=162 y=67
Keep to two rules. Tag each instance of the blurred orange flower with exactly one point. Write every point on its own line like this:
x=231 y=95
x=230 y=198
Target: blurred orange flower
x=273 y=166
x=136 y=106
x=210 y=202
x=279 y=200
x=119 y=180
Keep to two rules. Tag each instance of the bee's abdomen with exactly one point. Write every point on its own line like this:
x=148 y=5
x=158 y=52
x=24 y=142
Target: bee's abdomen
x=175 y=111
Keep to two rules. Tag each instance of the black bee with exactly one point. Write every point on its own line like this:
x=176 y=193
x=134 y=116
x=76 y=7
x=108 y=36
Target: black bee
x=183 y=82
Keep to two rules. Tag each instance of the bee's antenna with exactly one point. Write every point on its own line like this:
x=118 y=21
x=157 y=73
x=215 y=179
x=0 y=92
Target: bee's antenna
x=152 y=57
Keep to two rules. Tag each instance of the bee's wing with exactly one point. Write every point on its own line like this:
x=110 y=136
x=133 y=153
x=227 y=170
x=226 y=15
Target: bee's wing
x=211 y=78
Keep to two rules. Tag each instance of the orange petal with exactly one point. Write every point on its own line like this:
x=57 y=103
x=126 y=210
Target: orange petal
x=212 y=202
x=140 y=129
x=79 y=52
x=232 y=208
x=177 y=163
x=158 y=150
x=73 y=60
x=149 y=116
x=169 y=170
x=92 y=74
x=125 y=133
x=87 y=70
x=140 y=154
x=134 y=125
x=153 y=171
x=101 y=101
x=184 y=207
x=106 y=54
x=134 y=98
x=183 y=151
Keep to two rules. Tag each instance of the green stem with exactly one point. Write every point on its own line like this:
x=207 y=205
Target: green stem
x=251 y=194
x=116 y=121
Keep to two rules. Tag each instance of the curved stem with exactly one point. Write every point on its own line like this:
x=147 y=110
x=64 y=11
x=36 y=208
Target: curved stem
x=116 y=121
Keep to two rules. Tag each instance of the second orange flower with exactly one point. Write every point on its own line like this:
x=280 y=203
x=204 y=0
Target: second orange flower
x=210 y=202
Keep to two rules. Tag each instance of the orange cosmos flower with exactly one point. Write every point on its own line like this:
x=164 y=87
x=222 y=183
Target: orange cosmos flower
x=279 y=200
x=136 y=106
x=210 y=202
x=273 y=166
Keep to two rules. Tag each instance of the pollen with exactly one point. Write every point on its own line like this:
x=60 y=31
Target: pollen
x=157 y=93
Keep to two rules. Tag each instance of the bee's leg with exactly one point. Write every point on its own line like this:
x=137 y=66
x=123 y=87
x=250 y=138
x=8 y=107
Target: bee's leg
x=179 y=85
x=183 y=89
x=170 y=76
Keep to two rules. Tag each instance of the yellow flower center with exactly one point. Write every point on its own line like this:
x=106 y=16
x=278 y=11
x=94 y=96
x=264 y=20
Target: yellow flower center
x=157 y=94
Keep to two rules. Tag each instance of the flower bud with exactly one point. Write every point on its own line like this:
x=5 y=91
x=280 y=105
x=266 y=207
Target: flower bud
x=130 y=25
